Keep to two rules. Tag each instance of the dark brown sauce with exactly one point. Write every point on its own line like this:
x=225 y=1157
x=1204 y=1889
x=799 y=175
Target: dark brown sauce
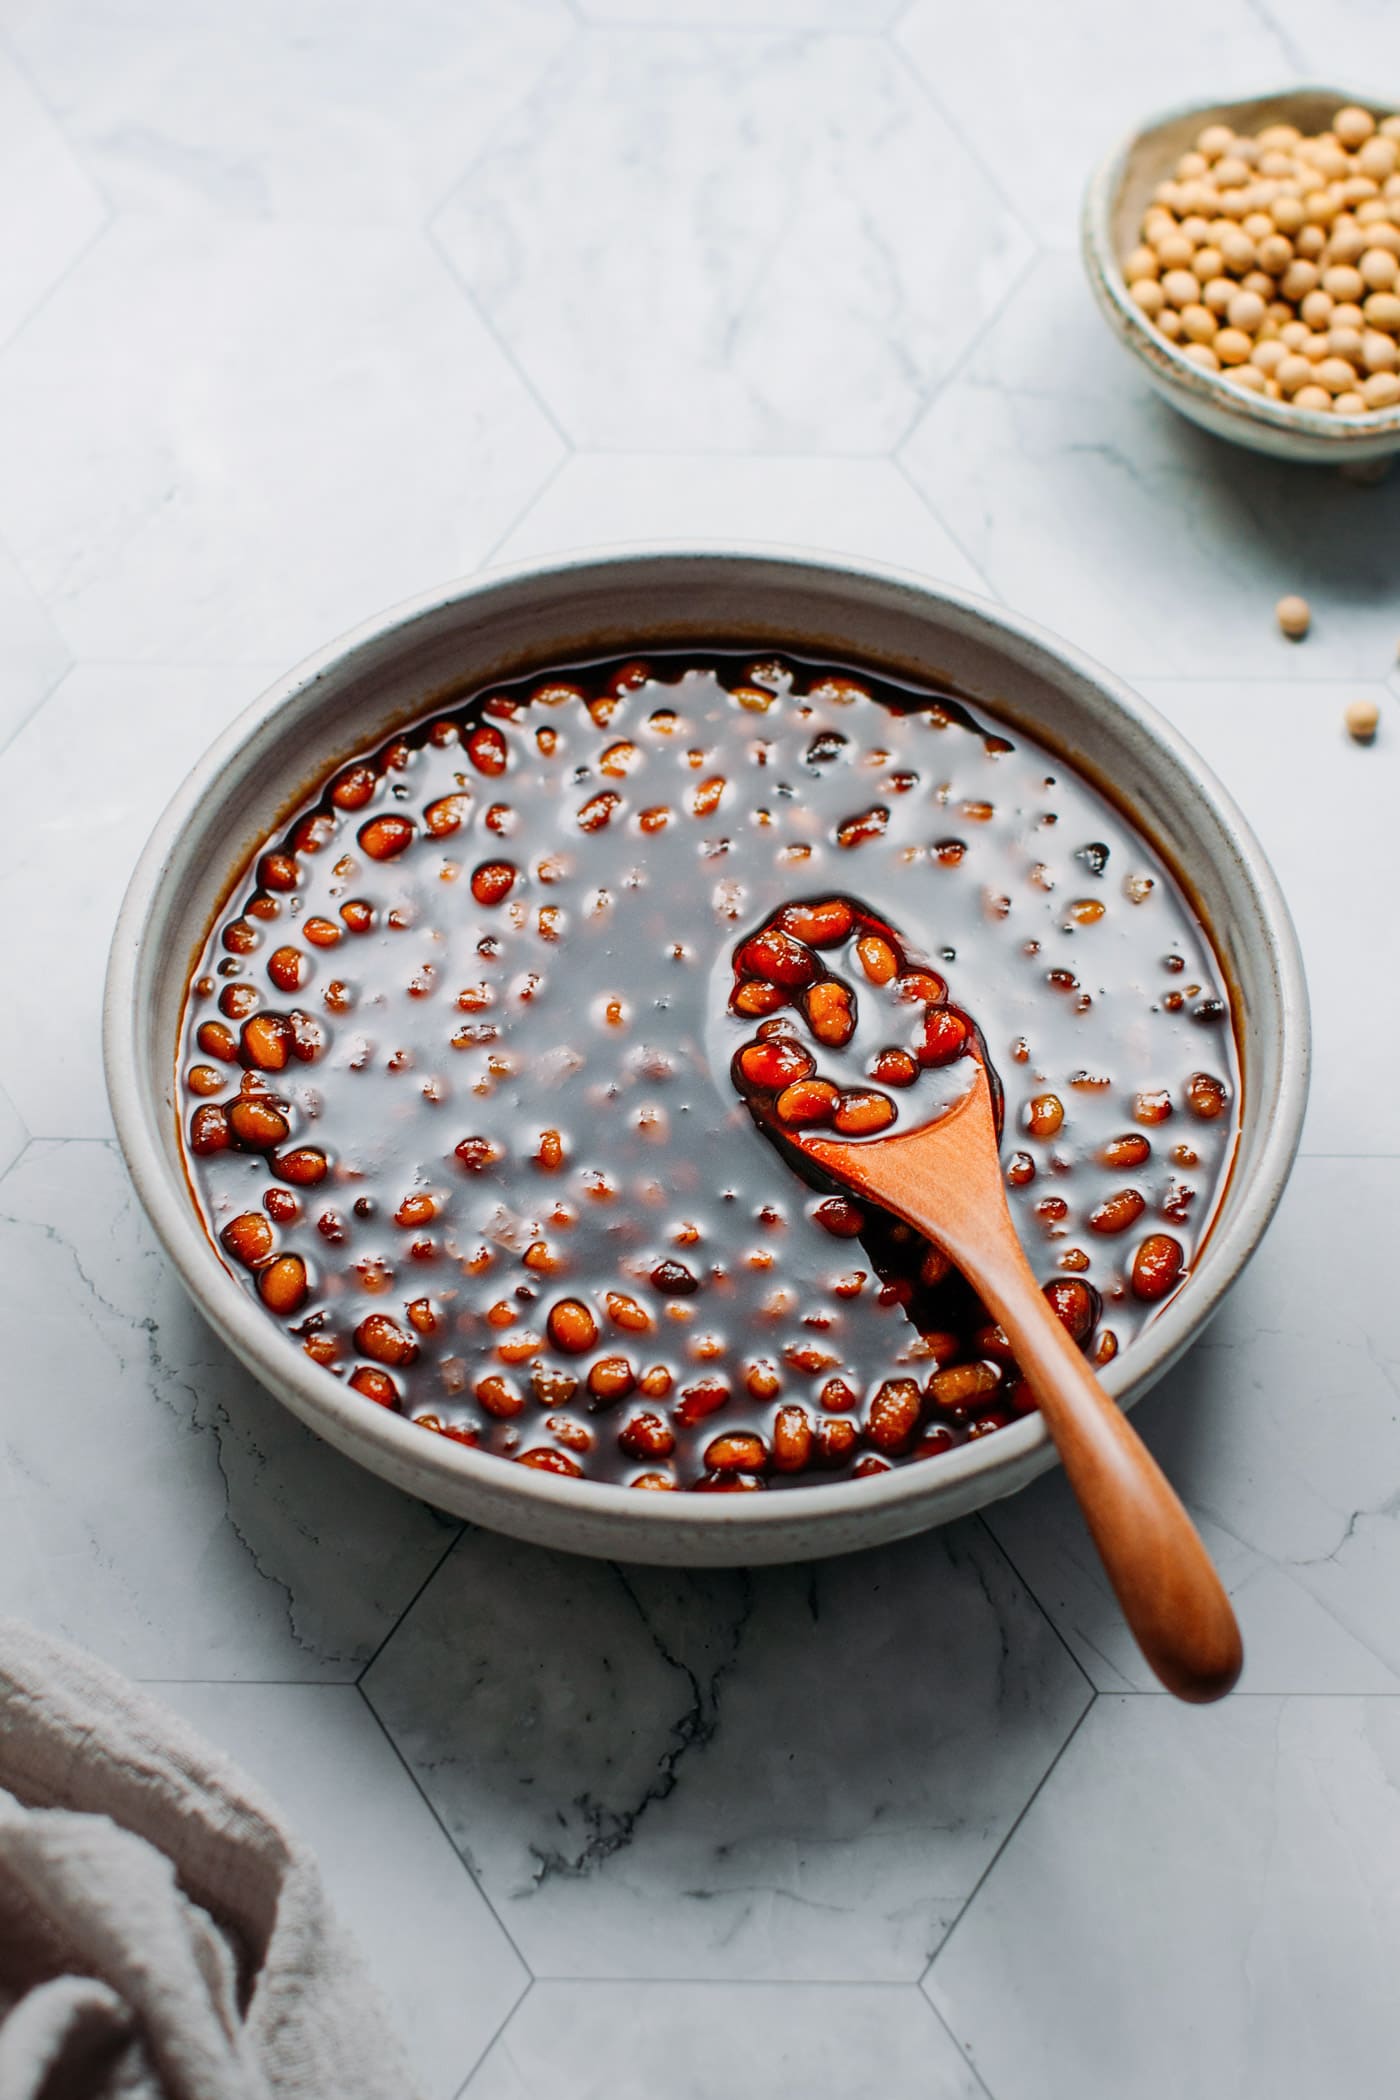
x=459 y=1054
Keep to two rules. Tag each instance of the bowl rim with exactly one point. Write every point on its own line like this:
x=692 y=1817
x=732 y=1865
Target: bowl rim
x=1104 y=268
x=344 y=1416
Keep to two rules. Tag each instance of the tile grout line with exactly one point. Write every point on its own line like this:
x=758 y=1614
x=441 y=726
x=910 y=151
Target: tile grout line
x=699 y=26
x=98 y=233
x=258 y=667
x=573 y=37
x=565 y=459
x=959 y=365
x=10 y=50
x=1277 y=680
x=729 y=1983
x=99 y=191
x=982 y=1879
x=696 y=25
x=486 y=321
x=974 y=153
x=448 y=1839
x=433 y=1570
x=993 y=594
x=29 y=1142
x=726 y=452
x=494 y=2038
x=1290 y=52
x=997 y=1547
x=267 y=1684
x=44 y=698
x=969 y=2065
x=1133 y=1691
x=743 y=1983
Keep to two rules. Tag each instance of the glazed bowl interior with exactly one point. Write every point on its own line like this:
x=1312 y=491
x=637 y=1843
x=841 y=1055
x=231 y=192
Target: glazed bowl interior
x=1117 y=197
x=512 y=622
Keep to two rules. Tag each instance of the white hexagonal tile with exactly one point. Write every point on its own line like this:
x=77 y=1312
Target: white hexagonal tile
x=697 y=240
x=229 y=442
x=1281 y=1429
x=1197 y=1903
x=1335 y=857
x=283 y=108
x=49 y=210
x=155 y=1503
x=844 y=506
x=711 y=2041
x=1044 y=96
x=32 y=657
x=1093 y=507
x=798 y=1773
x=421 y=1924
x=83 y=782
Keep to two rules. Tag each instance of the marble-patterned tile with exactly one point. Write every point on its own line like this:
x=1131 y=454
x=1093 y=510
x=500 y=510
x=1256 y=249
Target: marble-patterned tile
x=714 y=240
x=711 y=2041
x=49 y=210
x=1281 y=1429
x=861 y=507
x=1336 y=859
x=745 y=14
x=227 y=442
x=1196 y=1903
x=32 y=656
x=1093 y=507
x=155 y=1503
x=446 y=1970
x=13 y=1135
x=1044 y=96
x=82 y=784
x=798 y=1773
x=283 y=108
x=1354 y=42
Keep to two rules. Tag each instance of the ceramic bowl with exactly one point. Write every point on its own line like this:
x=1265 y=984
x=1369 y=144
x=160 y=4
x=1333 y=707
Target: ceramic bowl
x=1114 y=203
x=514 y=621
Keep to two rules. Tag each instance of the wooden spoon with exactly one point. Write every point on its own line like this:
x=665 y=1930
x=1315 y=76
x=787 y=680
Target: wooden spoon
x=945 y=1179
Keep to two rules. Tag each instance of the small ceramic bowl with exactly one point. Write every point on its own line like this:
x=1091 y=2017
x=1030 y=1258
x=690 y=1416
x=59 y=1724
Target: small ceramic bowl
x=1118 y=195
x=510 y=623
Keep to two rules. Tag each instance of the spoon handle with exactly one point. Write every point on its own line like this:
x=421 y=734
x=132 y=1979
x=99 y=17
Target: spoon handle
x=1162 y=1575
x=946 y=1181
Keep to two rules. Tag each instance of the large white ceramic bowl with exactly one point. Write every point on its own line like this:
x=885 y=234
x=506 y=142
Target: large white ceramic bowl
x=511 y=622
x=1117 y=196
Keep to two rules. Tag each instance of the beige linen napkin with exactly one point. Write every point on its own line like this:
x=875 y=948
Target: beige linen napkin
x=163 y=1936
